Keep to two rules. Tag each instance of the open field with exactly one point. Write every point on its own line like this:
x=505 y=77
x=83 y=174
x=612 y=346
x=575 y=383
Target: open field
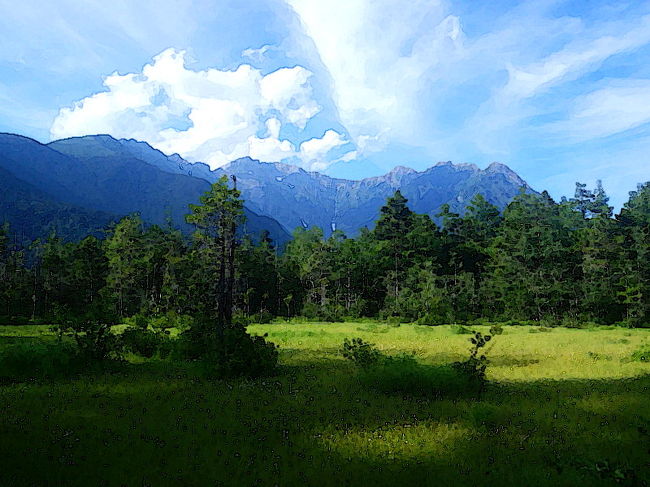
x=564 y=407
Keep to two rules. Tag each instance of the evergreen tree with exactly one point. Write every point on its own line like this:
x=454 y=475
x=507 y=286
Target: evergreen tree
x=583 y=199
x=473 y=234
x=89 y=270
x=126 y=266
x=395 y=219
x=4 y=270
x=600 y=205
x=534 y=261
x=395 y=222
x=217 y=219
x=56 y=275
x=600 y=242
x=306 y=253
x=7 y=271
x=258 y=276
x=634 y=284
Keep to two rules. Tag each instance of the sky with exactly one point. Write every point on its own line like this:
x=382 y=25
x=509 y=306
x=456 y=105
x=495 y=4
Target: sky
x=557 y=90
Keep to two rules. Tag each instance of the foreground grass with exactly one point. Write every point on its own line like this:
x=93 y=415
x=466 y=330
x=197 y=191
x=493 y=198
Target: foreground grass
x=564 y=407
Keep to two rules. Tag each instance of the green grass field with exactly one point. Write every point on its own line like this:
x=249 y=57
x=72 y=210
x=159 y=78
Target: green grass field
x=564 y=407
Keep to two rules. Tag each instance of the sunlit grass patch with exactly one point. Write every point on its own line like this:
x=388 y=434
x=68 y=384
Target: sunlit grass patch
x=419 y=439
x=515 y=355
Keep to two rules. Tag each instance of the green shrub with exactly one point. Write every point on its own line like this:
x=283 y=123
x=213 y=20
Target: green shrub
x=431 y=319
x=472 y=370
x=243 y=320
x=137 y=321
x=598 y=356
x=239 y=318
x=616 y=473
x=395 y=321
x=171 y=320
x=568 y=322
x=477 y=322
x=632 y=323
x=591 y=326
x=39 y=360
x=20 y=320
x=95 y=340
x=360 y=352
x=194 y=343
x=404 y=374
x=460 y=330
x=357 y=310
x=310 y=311
x=160 y=322
x=332 y=313
x=496 y=329
x=230 y=354
x=146 y=342
x=546 y=322
x=241 y=354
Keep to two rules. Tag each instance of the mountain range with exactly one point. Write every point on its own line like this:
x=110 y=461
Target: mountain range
x=295 y=197
x=79 y=185
x=46 y=189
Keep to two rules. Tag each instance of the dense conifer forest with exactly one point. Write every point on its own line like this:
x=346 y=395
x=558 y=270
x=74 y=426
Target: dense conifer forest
x=537 y=262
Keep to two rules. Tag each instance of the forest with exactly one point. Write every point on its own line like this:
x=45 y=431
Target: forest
x=538 y=262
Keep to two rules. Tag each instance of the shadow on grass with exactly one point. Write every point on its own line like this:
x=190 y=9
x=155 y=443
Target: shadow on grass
x=158 y=423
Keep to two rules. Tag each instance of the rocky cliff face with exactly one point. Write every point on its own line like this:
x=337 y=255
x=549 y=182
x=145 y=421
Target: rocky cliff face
x=295 y=197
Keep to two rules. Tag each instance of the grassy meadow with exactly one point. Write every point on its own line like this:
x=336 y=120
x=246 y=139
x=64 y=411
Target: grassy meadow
x=563 y=407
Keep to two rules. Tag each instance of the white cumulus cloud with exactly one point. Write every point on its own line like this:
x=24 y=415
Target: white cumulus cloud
x=314 y=151
x=209 y=115
x=381 y=56
x=271 y=148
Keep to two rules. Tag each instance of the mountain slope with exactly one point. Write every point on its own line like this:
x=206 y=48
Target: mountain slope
x=107 y=147
x=123 y=176
x=113 y=183
x=295 y=197
x=34 y=214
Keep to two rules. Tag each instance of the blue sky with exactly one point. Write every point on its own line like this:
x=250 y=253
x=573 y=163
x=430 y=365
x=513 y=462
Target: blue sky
x=559 y=91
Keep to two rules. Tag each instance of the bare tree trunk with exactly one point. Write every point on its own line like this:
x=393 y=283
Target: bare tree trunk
x=230 y=276
x=221 y=289
x=230 y=279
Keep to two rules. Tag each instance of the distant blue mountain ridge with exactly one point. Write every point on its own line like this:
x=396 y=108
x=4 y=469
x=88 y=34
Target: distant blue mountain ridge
x=108 y=176
x=93 y=187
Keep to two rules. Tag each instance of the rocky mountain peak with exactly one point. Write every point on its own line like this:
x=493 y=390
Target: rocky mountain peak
x=500 y=168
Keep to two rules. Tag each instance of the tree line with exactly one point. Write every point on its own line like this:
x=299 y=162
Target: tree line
x=561 y=263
